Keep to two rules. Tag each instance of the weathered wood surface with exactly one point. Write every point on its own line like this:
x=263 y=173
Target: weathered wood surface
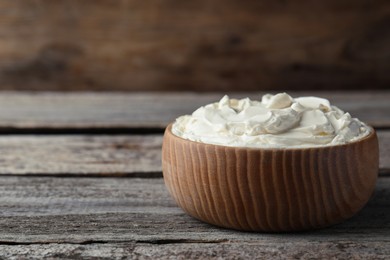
x=194 y=45
x=80 y=210
x=75 y=217
x=96 y=155
x=384 y=152
x=150 y=110
x=132 y=155
x=115 y=217
x=192 y=250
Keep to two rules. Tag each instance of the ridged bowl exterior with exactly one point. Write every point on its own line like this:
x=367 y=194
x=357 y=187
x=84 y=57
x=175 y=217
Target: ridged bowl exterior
x=271 y=190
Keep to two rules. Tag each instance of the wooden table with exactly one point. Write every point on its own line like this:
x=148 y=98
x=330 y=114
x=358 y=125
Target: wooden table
x=81 y=177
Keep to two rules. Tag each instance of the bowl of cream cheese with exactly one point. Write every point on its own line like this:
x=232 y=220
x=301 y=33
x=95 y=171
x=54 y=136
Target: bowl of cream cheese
x=273 y=165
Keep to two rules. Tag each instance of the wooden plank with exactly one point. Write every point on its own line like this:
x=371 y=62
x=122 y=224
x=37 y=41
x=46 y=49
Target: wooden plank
x=384 y=152
x=27 y=110
x=46 y=210
x=192 y=250
x=199 y=45
x=100 y=155
x=132 y=155
x=96 y=155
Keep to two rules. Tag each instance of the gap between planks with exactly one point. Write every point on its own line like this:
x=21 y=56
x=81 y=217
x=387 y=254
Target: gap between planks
x=81 y=131
x=97 y=130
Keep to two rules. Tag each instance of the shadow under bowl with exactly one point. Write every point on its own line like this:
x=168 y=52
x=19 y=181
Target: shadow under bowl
x=270 y=189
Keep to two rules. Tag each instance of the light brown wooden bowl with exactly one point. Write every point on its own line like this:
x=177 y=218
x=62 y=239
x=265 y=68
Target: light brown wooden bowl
x=271 y=190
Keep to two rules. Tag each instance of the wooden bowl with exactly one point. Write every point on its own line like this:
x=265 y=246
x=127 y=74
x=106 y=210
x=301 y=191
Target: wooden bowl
x=272 y=190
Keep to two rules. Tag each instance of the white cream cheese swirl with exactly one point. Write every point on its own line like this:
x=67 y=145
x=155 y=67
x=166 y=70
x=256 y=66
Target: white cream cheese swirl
x=275 y=121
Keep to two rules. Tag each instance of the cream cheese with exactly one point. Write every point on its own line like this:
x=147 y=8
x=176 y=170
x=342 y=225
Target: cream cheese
x=276 y=121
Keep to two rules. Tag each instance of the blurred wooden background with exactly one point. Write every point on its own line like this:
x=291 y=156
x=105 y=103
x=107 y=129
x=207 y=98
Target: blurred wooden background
x=200 y=45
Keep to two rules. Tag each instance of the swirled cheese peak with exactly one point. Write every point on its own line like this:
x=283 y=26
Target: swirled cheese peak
x=275 y=121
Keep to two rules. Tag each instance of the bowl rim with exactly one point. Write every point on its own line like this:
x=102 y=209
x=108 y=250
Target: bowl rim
x=371 y=135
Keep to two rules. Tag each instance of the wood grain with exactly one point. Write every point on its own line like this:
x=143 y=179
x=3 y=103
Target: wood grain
x=384 y=151
x=272 y=190
x=45 y=210
x=78 y=218
x=192 y=250
x=59 y=111
x=83 y=155
x=194 y=45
